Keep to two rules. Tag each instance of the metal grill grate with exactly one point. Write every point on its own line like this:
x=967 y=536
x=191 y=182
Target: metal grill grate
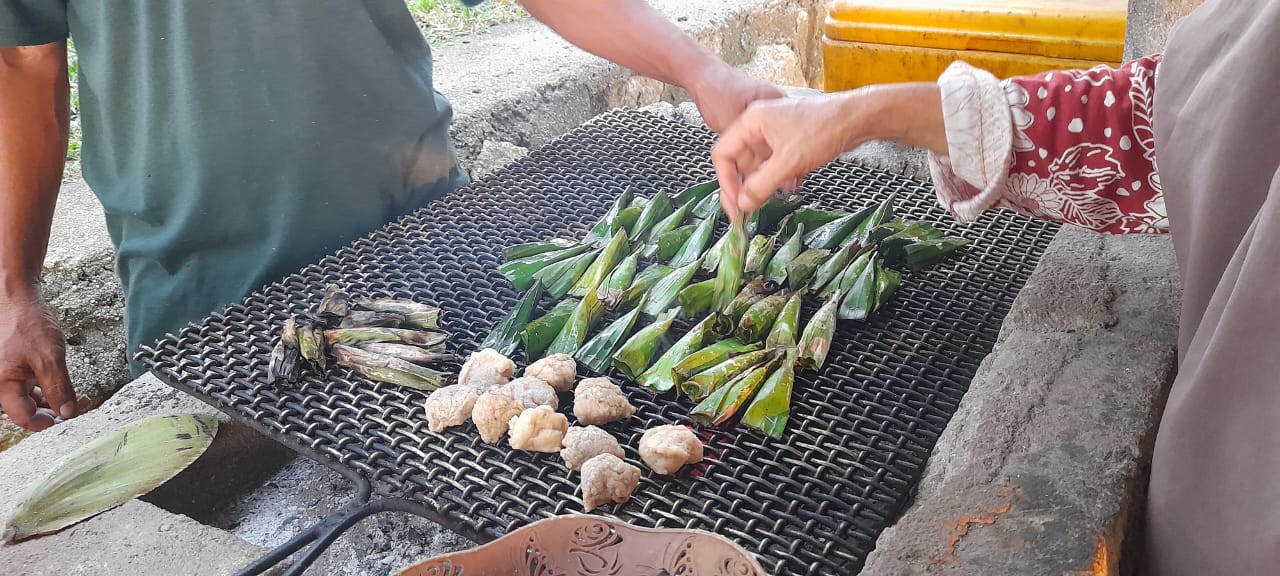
x=812 y=503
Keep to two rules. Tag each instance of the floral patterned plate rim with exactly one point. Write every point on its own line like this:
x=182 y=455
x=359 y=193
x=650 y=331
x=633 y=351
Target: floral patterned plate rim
x=586 y=545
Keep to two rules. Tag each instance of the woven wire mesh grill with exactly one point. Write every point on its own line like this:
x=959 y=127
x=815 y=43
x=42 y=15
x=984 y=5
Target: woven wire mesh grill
x=811 y=503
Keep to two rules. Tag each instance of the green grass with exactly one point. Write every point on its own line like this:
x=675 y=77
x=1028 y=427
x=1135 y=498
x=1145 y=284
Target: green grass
x=442 y=22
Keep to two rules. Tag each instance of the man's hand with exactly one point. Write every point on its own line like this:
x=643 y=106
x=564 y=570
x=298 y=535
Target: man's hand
x=722 y=94
x=34 y=385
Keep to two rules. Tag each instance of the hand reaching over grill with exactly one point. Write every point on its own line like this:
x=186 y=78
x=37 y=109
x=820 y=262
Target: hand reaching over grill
x=777 y=141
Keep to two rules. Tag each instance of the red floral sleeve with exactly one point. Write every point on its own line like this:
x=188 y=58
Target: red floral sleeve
x=1073 y=146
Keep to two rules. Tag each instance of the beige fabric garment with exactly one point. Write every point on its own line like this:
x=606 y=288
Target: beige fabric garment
x=1214 y=503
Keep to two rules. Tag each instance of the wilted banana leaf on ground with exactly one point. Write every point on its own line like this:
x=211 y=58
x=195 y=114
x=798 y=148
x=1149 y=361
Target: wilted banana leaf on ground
x=110 y=471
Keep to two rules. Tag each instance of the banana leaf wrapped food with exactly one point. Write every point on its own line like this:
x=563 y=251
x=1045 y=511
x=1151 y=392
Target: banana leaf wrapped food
x=861 y=299
x=535 y=248
x=711 y=258
x=801 y=270
x=672 y=221
x=759 y=317
x=371 y=319
x=597 y=353
x=334 y=306
x=786 y=329
x=696 y=299
x=709 y=204
x=603 y=264
x=771 y=408
x=654 y=211
x=660 y=377
x=706 y=382
x=776 y=270
x=662 y=296
x=694 y=246
x=887 y=281
x=815 y=341
x=358 y=336
x=312 y=344
x=416 y=315
x=808 y=218
x=609 y=225
x=883 y=213
x=732 y=260
x=834 y=265
x=615 y=285
x=521 y=272
x=669 y=243
x=845 y=281
x=753 y=292
x=697 y=193
x=540 y=333
x=574 y=334
x=383 y=368
x=759 y=250
x=831 y=235
x=408 y=353
x=634 y=357
x=709 y=356
x=721 y=405
x=644 y=280
x=559 y=277
x=505 y=335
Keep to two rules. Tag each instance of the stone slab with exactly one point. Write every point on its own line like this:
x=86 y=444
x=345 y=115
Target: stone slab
x=1042 y=470
x=137 y=539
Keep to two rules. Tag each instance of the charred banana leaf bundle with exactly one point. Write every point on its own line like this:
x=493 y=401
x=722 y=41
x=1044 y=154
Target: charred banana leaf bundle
x=387 y=340
x=741 y=285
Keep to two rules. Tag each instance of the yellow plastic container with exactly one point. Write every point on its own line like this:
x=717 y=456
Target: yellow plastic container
x=877 y=41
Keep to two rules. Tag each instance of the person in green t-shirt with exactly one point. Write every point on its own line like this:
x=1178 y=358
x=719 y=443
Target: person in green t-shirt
x=233 y=142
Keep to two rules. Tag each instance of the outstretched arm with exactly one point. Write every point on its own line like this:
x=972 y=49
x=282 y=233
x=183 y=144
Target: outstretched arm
x=634 y=35
x=1071 y=146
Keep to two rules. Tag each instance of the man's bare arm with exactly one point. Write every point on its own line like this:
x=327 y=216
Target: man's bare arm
x=634 y=35
x=34 y=115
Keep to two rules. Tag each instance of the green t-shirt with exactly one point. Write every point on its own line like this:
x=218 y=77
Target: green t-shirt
x=232 y=142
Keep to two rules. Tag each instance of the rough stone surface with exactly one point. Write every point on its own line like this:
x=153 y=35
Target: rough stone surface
x=494 y=156
x=891 y=157
x=1043 y=467
x=776 y=64
x=138 y=539
x=1149 y=24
